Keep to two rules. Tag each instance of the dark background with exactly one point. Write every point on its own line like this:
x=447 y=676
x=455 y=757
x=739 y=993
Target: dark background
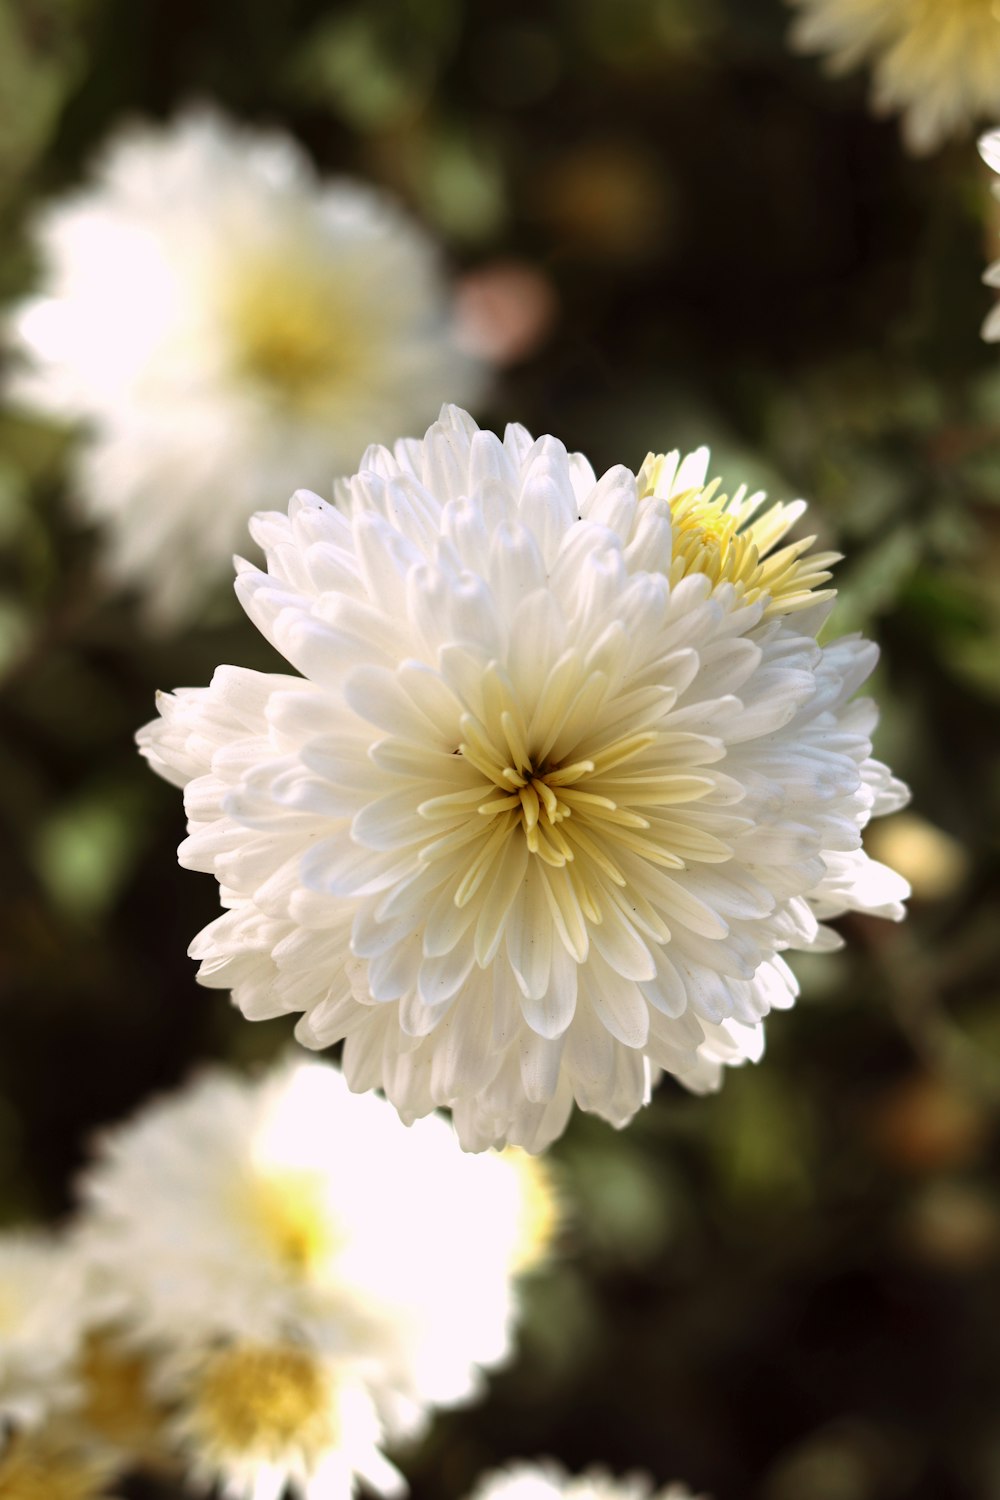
x=789 y=1291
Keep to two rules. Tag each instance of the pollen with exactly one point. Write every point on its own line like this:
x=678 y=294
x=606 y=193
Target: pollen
x=258 y=1402
x=727 y=541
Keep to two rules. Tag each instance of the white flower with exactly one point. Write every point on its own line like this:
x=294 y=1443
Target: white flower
x=43 y=1310
x=936 y=61
x=564 y=774
x=545 y=1480
x=286 y=1210
x=257 y=1418
x=229 y=326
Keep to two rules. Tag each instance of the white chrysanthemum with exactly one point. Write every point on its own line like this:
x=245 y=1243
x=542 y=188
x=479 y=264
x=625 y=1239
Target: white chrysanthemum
x=935 y=61
x=564 y=774
x=230 y=326
x=255 y=1419
x=546 y=1480
x=272 y=1209
x=43 y=1309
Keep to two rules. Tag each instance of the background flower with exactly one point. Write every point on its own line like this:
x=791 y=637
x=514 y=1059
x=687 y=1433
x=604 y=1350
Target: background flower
x=939 y=65
x=564 y=775
x=60 y=1376
x=546 y=1480
x=228 y=325
x=275 y=1251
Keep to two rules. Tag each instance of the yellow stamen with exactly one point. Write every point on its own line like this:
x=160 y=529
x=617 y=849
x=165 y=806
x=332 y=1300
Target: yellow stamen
x=253 y=1401
x=571 y=792
x=289 y=1207
x=720 y=537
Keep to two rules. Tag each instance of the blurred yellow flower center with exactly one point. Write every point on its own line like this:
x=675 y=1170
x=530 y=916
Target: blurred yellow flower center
x=31 y=1470
x=290 y=1206
x=726 y=541
x=117 y=1404
x=289 y=332
x=257 y=1402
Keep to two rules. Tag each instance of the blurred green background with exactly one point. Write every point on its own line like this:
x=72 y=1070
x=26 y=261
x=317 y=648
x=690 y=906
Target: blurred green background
x=790 y=1291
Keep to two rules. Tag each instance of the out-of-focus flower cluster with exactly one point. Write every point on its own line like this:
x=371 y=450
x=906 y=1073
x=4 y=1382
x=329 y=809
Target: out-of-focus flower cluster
x=268 y=1282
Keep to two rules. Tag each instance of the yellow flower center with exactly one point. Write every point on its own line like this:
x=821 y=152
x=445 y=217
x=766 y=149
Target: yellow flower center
x=527 y=794
x=572 y=792
x=117 y=1405
x=728 y=542
x=290 y=332
x=290 y=1207
x=252 y=1401
x=32 y=1469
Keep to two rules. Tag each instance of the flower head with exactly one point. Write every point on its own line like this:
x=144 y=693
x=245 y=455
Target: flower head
x=545 y=1480
x=564 y=774
x=258 y=1417
x=275 y=1225
x=228 y=325
x=936 y=61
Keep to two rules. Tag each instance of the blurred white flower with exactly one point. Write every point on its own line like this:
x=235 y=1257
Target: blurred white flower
x=256 y=1419
x=564 y=774
x=43 y=1311
x=546 y=1480
x=228 y=325
x=283 y=1225
x=935 y=61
